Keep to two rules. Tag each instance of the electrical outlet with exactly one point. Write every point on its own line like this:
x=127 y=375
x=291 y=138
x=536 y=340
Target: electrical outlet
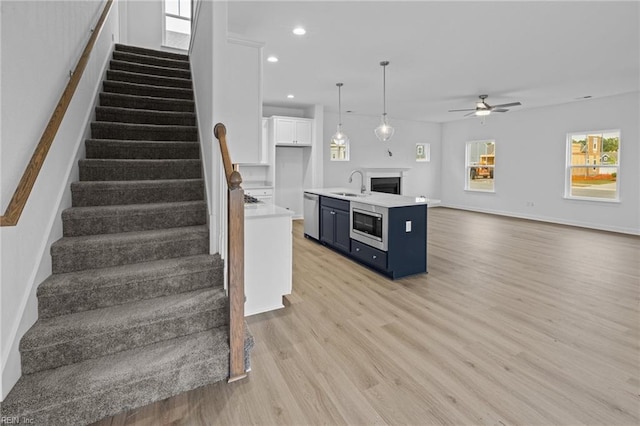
x=530 y=204
x=407 y=226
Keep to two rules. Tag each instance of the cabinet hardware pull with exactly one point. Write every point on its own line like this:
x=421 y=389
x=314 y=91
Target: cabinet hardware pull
x=332 y=212
x=357 y=249
x=375 y=257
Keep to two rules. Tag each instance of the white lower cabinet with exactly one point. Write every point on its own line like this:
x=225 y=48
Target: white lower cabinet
x=268 y=259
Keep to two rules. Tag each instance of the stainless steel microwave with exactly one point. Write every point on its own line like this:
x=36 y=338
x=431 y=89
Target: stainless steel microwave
x=369 y=224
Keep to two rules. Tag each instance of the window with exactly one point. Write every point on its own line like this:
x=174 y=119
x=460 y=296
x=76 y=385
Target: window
x=177 y=23
x=480 y=165
x=592 y=165
x=339 y=152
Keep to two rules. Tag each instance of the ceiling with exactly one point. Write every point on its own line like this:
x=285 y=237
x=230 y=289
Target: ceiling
x=442 y=54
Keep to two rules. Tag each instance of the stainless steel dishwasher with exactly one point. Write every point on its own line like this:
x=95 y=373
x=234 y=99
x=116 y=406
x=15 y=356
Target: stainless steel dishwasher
x=311 y=215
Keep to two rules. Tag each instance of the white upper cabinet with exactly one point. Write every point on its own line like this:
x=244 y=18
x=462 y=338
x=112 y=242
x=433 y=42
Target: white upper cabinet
x=292 y=131
x=303 y=132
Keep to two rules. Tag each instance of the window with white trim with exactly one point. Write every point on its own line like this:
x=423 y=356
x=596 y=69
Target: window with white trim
x=339 y=152
x=177 y=24
x=593 y=162
x=480 y=165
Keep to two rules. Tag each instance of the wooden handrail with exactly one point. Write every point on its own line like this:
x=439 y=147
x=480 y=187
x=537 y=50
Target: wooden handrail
x=235 y=258
x=22 y=192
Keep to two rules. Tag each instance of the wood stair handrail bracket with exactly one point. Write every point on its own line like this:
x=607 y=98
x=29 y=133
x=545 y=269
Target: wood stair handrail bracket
x=22 y=192
x=235 y=253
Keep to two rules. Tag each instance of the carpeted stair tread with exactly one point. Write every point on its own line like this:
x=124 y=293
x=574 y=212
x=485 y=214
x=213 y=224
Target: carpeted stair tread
x=135 y=310
x=145 y=116
x=133 y=149
x=148 y=132
x=149 y=69
x=89 y=391
x=94 y=220
x=156 y=80
x=119 y=55
x=146 y=102
x=127 y=169
x=71 y=254
x=62 y=294
x=99 y=193
x=68 y=339
x=147 y=90
x=151 y=52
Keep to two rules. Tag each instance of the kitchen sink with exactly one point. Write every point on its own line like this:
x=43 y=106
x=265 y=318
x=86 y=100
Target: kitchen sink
x=347 y=194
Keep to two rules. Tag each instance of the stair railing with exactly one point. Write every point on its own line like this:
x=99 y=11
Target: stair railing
x=235 y=258
x=22 y=192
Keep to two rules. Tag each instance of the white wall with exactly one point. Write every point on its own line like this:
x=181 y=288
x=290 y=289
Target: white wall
x=243 y=99
x=37 y=36
x=141 y=23
x=201 y=57
x=530 y=163
x=208 y=56
x=367 y=151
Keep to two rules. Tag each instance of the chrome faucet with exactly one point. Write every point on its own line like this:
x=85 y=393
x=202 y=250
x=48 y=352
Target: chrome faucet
x=362 y=187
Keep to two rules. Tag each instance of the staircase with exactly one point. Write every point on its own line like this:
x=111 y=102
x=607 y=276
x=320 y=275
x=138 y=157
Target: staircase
x=135 y=311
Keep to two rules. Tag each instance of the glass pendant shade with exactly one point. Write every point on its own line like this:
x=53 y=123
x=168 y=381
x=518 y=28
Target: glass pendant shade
x=384 y=131
x=339 y=138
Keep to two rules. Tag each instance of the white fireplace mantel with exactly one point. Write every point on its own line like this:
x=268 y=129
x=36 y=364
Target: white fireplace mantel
x=374 y=172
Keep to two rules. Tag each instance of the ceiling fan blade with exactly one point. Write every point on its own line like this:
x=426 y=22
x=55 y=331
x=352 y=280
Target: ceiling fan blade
x=471 y=113
x=458 y=110
x=507 y=105
x=499 y=110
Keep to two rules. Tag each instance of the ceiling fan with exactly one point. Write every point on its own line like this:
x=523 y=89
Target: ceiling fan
x=483 y=108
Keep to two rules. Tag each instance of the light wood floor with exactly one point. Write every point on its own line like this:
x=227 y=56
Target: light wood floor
x=517 y=323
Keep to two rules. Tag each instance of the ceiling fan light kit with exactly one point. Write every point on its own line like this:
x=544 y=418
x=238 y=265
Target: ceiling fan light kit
x=384 y=131
x=339 y=138
x=483 y=109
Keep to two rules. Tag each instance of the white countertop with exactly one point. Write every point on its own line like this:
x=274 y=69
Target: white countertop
x=262 y=210
x=257 y=185
x=374 y=198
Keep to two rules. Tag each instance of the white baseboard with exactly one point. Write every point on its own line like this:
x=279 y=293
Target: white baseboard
x=579 y=224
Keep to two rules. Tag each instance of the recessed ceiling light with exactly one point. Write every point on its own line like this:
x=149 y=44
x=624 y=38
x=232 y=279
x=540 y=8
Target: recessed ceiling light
x=290 y=96
x=272 y=58
x=299 y=31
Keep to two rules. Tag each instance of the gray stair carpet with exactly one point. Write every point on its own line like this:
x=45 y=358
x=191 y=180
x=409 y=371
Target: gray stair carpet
x=135 y=310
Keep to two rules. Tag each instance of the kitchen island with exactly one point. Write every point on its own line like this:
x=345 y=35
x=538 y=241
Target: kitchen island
x=385 y=232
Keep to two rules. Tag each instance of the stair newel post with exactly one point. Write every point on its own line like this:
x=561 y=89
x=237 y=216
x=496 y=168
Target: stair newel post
x=236 y=277
x=235 y=259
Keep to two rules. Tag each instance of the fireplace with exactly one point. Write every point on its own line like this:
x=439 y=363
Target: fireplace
x=386 y=179
x=390 y=185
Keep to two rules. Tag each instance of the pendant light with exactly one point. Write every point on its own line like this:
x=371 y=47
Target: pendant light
x=384 y=131
x=339 y=138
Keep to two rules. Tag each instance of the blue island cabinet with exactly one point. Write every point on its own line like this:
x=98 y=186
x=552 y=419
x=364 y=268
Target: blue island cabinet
x=406 y=244
x=407 y=252
x=334 y=223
